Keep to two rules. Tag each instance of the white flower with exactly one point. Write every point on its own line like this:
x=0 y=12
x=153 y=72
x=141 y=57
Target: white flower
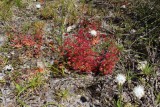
x=69 y=28
x=139 y=91
x=8 y=68
x=93 y=32
x=123 y=6
x=12 y=52
x=121 y=79
x=38 y=6
x=132 y=31
x=142 y=65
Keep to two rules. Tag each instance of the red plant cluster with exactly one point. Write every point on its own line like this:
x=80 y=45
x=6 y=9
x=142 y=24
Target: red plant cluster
x=80 y=50
x=110 y=59
x=20 y=41
x=34 y=42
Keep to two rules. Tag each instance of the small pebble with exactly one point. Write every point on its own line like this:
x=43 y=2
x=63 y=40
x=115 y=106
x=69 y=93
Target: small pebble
x=1 y=76
x=8 y=68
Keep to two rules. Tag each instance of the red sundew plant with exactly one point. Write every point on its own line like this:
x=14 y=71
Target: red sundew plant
x=20 y=41
x=88 y=53
x=33 y=42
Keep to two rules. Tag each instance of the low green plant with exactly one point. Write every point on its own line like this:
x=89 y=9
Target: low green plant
x=5 y=11
x=20 y=89
x=26 y=26
x=6 y=8
x=148 y=70
x=18 y=3
x=33 y=83
x=57 y=71
x=62 y=94
x=60 y=11
x=36 y=81
x=119 y=103
x=47 y=12
x=129 y=76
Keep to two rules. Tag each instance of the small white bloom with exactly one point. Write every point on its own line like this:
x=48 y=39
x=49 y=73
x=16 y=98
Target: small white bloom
x=141 y=36
x=12 y=52
x=121 y=79
x=132 y=31
x=123 y=6
x=142 y=65
x=8 y=68
x=69 y=28
x=38 y=6
x=139 y=91
x=93 y=32
x=8 y=56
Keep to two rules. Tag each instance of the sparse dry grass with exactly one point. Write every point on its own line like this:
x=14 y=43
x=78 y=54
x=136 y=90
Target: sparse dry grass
x=133 y=24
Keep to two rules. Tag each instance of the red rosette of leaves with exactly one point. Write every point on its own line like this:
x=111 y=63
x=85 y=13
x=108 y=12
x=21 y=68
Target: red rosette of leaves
x=87 y=53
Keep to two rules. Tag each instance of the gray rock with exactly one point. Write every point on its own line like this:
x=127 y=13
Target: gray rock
x=2 y=40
